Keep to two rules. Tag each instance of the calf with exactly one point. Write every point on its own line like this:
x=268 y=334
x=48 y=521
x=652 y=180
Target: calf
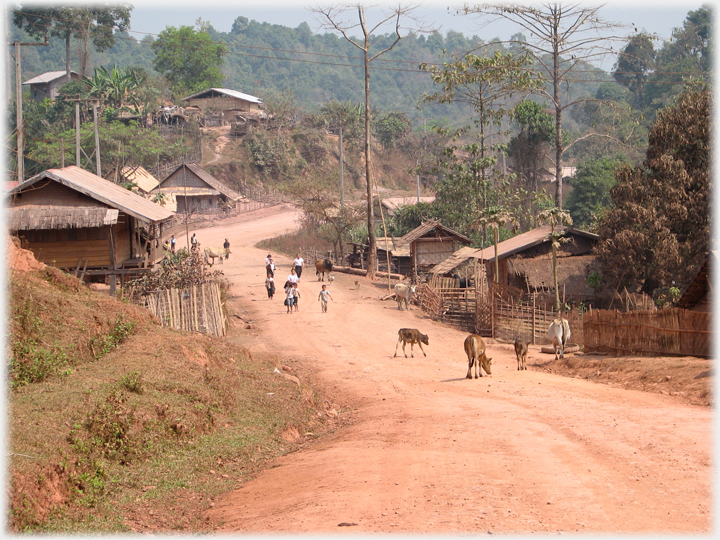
x=475 y=350
x=322 y=266
x=559 y=334
x=215 y=252
x=521 y=349
x=403 y=293
x=411 y=336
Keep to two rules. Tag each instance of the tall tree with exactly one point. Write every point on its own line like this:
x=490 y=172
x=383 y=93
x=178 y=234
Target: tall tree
x=189 y=59
x=485 y=84
x=83 y=22
x=659 y=227
x=556 y=218
x=537 y=130
x=635 y=64
x=336 y=18
x=560 y=36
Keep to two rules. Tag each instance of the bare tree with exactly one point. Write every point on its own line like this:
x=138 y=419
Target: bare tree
x=560 y=36
x=340 y=18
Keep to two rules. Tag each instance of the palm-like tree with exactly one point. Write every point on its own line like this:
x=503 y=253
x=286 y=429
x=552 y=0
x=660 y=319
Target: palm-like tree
x=118 y=87
x=496 y=217
x=556 y=217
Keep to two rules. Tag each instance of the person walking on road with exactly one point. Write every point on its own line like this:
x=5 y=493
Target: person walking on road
x=323 y=297
x=194 y=242
x=270 y=267
x=296 y=293
x=293 y=277
x=270 y=286
x=226 y=246
x=173 y=243
x=298 y=263
x=289 y=296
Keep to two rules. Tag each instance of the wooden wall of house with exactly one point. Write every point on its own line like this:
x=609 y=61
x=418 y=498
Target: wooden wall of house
x=190 y=180
x=63 y=248
x=430 y=251
x=52 y=193
x=224 y=103
x=198 y=203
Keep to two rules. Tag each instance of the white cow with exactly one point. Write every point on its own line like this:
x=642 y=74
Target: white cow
x=559 y=334
x=404 y=293
x=215 y=252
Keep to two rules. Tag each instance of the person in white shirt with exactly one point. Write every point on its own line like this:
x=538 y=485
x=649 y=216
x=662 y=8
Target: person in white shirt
x=298 y=263
x=293 y=277
x=270 y=267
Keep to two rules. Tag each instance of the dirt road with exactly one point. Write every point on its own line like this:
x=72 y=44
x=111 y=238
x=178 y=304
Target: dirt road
x=430 y=451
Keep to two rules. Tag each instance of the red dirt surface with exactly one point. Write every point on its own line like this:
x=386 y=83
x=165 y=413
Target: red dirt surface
x=428 y=451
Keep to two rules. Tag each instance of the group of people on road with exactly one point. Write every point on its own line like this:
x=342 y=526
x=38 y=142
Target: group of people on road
x=291 y=286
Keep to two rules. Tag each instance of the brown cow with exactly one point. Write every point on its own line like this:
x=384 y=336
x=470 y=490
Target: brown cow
x=322 y=266
x=475 y=350
x=411 y=336
x=521 y=350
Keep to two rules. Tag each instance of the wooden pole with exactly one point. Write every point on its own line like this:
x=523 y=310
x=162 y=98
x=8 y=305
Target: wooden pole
x=19 y=116
x=77 y=133
x=97 y=139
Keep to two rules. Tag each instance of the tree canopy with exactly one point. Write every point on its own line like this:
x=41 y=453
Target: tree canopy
x=659 y=227
x=189 y=59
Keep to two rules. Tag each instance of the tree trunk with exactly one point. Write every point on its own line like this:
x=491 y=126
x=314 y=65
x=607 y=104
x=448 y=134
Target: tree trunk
x=372 y=249
x=558 y=112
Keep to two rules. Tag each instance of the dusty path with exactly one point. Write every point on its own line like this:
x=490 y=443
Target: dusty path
x=430 y=451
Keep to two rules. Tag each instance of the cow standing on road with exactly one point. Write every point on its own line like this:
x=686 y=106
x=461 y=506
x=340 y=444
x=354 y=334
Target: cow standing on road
x=559 y=334
x=322 y=266
x=475 y=349
x=403 y=293
x=411 y=336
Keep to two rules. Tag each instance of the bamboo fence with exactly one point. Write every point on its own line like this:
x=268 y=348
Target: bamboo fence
x=667 y=332
x=197 y=309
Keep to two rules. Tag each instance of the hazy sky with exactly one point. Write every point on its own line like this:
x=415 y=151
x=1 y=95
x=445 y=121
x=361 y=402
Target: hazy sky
x=659 y=16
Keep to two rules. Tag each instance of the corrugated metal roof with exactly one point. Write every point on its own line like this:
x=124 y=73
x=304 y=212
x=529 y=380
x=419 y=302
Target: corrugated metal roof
x=206 y=177
x=141 y=177
x=227 y=92
x=48 y=77
x=428 y=226
x=101 y=190
x=526 y=240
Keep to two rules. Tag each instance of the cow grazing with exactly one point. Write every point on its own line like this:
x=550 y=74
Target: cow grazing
x=475 y=350
x=215 y=252
x=559 y=334
x=521 y=350
x=322 y=266
x=403 y=293
x=411 y=336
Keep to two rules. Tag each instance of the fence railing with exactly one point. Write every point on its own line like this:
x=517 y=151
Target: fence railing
x=197 y=309
x=667 y=332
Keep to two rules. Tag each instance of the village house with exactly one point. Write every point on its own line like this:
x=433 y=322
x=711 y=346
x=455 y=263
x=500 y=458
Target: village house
x=196 y=190
x=430 y=244
x=47 y=85
x=71 y=218
x=220 y=106
x=525 y=263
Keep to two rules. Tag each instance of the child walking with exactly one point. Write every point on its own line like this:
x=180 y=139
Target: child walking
x=289 y=296
x=296 y=293
x=323 y=297
x=270 y=286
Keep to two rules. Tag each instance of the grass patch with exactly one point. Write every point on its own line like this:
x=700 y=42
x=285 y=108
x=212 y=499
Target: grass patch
x=290 y=244
x=143 y=437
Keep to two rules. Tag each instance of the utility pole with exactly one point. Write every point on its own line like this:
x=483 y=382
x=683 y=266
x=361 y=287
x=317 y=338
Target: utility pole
x=97 y=139
x=19 y=116
x=18 y=107
x=342 y=171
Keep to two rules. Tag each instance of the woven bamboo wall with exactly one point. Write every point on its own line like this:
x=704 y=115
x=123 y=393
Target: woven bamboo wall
x=667 y=332
x=530 y=323
x=198 y=309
